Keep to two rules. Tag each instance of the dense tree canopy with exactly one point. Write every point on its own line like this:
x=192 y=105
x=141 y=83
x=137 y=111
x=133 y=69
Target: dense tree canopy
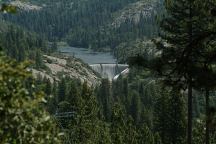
x=23 y=117
x=91 y=23
x=145 y=106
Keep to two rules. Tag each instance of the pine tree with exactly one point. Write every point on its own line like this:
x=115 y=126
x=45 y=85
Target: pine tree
x=179 y=56
x=206 y=41
x=131 y=131
x=23 y=118
x=169 y=117
x=146 y=136
x=61 y=90
x=73 y=92
x=176 y=118
x=118 y=125
x=38 y=60
x=105 y=98
x=135 y=108
x=48 y=87
x=85 y=125
x=161 y=116
x=52 y=101
x=22 y=51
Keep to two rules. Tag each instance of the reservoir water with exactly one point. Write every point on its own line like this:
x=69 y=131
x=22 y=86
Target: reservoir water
x=101 y=62
x=88 y=56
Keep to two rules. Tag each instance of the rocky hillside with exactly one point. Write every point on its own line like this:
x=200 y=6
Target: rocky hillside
x=135 y=11
x=26 y=6
x=67 y=66
x=96 y=24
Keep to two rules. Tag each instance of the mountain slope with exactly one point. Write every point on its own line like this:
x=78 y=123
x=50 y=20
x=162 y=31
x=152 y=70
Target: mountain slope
x=58 y=66
x=96 y=24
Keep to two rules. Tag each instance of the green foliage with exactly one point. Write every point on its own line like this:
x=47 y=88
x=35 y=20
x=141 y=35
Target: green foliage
x=85 y=126
x=200 y=130
x=185 y=48
x=89 y=23
x=118 y=124
x=169 y=117
x=135 y=107
x=38 y=60
x=8 y=8
x=23 y=118
x=61 y=90
x=132 y=110
x=138 y=103
x=146 y=136
x=105 y=99
x=90 y=125
x=140 y=47
x=176 y=117
x=20 y=44
x=69 y=95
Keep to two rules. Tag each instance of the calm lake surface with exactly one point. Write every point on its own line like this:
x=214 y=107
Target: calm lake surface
x=88 y=56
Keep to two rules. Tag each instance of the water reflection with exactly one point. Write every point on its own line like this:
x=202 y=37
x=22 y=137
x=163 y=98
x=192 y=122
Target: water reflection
x=88 y=56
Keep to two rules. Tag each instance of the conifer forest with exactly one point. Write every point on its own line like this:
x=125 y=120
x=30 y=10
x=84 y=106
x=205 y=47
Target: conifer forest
x=107 y=71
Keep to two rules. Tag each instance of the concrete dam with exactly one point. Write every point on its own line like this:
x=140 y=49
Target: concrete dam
x=110 y=71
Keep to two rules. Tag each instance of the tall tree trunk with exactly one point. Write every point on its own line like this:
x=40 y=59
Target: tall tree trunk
x=190 y=87
x=207 y=116
x=190 y=114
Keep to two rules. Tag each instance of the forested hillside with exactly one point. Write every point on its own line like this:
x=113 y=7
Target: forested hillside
x=93 y=24
x=163 y=92
x=21 y=44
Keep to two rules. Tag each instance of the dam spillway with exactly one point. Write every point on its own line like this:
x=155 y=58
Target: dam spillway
x=109 y=71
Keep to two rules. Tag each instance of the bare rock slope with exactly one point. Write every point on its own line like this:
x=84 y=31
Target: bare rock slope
x=67 y=66
x=133 y=12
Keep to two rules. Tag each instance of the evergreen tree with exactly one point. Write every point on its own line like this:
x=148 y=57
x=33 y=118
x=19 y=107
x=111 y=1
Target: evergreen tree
x=179 y=56
x=23 y=118
x=131 y=131
x=61 y=90
x=170 y=116
x=38 y=60
x=206 y=41
x=161 y=116
x=146 y=136
x=52 y=101
x=176 y=118
x=73 y=92
x=135 y=108
x=118 y=125
x=48 y=87
x=19 y=43
x=85 y=126
x=105 y=98
x=85 y=23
